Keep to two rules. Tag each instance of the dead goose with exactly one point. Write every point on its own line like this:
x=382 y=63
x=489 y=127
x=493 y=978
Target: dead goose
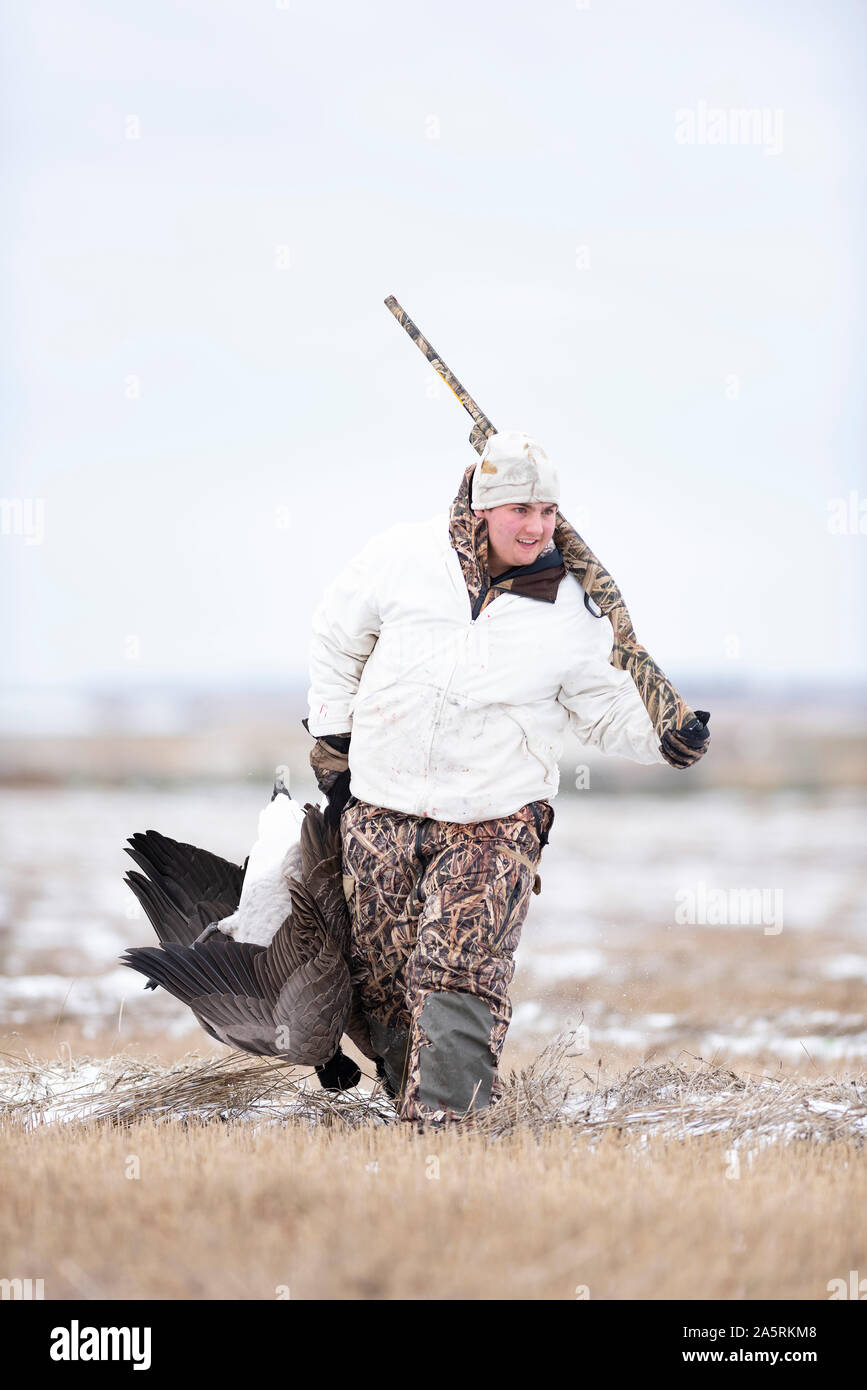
x=258 y=953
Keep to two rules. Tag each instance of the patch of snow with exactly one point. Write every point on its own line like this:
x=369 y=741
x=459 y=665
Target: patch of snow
x=576 y=964
x=846 y=967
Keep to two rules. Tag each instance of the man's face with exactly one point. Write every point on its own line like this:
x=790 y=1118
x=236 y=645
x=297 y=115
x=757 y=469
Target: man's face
x=518 y=532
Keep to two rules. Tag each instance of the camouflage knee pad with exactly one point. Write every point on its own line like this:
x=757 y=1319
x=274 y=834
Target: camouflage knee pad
x=437 y=909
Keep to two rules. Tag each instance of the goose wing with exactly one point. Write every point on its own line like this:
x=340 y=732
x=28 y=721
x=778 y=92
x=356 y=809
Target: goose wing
x=177 y=878
x=216 y=980
x=290 y=999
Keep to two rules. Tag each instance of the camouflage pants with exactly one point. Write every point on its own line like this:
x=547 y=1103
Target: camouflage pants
x=437 y=909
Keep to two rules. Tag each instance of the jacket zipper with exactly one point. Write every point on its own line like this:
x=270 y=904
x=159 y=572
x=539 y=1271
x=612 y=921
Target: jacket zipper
x=437 y=720
x=474 y=614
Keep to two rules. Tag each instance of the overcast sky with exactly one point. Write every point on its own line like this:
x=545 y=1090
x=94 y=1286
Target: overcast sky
x=207 y=406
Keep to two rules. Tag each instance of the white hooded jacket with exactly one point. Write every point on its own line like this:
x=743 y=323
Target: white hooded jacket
x=455 y=718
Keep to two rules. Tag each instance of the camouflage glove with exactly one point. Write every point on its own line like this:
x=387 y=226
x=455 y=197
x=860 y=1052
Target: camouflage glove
x=683 y=747
x=329 y=758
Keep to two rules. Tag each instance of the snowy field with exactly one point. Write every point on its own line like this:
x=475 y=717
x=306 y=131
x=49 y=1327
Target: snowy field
x=702 y=1137
x=727 y=925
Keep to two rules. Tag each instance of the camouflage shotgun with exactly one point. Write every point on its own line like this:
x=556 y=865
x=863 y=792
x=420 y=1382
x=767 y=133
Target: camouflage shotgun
x=667 y=709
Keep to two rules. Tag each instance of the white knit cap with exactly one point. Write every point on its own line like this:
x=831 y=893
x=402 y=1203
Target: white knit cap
x=514 y=468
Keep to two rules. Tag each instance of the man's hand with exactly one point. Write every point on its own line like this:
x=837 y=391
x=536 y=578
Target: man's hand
x=683 y=747
x=330 y=761
x=329 y=758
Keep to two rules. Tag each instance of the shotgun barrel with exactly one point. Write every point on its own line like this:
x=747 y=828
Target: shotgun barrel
x=667 y=709
x=482 y=427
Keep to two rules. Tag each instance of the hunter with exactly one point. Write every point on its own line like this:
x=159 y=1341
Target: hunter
x=448 y=660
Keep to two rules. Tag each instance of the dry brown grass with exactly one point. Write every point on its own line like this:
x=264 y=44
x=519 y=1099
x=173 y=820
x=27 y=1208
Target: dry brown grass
x=669 y=1097
x=568 y=1183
